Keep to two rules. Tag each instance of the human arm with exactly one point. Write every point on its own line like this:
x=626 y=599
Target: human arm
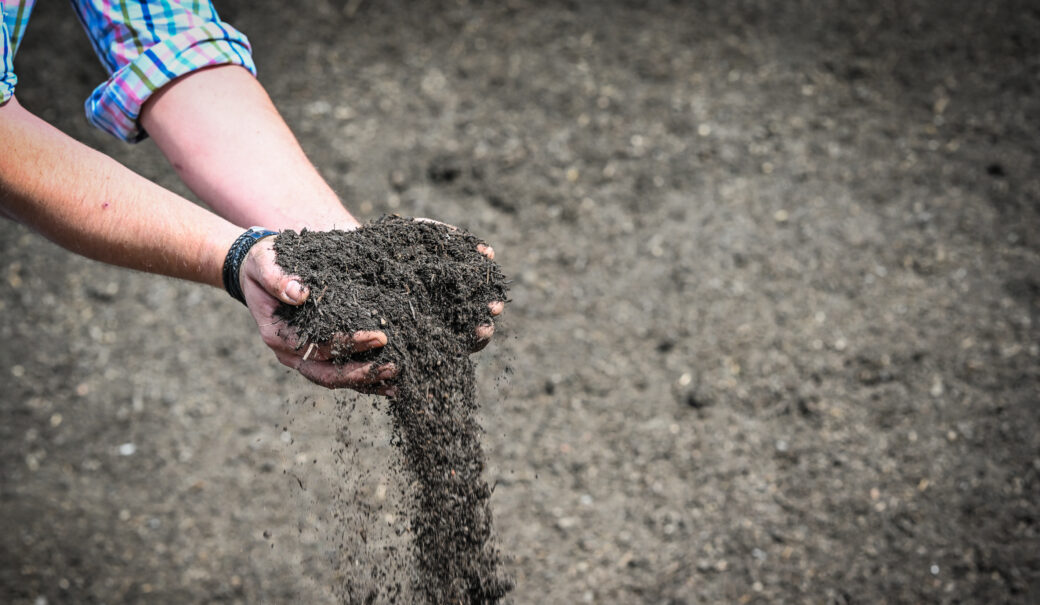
x=222 y=134
x=92 y=205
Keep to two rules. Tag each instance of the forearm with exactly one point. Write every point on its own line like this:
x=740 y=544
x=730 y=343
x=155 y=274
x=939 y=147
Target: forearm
x=92 y=205
x=224 y=137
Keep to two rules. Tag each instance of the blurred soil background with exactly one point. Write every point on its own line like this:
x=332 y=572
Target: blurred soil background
x=775 y=330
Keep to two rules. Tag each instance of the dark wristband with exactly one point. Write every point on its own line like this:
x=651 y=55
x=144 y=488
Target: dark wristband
x=235 y=256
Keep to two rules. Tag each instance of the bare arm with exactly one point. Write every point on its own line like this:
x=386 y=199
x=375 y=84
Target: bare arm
x=224 y=137
x=92 y=205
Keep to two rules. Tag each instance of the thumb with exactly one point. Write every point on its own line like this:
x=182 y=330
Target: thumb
x=266 y=272
x=293 y=291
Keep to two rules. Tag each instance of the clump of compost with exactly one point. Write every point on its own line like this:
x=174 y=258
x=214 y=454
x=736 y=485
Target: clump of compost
x=427 y=287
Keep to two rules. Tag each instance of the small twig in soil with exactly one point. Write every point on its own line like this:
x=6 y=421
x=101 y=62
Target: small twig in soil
x=322 y=294
x=310 y=350
x=412 y=308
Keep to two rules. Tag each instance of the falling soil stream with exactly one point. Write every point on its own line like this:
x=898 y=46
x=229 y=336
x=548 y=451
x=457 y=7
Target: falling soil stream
x=427 y=287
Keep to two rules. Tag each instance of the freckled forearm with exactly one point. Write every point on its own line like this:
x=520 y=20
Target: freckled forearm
x=90 y=204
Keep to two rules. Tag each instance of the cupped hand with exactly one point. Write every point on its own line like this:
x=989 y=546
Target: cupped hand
x=484 y=331
x=265 y=285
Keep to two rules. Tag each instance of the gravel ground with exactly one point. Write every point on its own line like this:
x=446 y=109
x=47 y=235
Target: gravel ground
x=775 y=330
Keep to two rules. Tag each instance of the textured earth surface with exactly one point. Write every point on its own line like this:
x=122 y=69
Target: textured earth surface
x=775 y=330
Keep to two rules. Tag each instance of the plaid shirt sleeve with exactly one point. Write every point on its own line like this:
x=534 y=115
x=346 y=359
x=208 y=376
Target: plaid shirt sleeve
x=145 y=44
x=12 y=23
x=7 y=77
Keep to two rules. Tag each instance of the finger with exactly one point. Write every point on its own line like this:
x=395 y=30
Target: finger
x=353 y=375
x=496 y=307
x=486 y=250
x=333 y=376
x=291 y=291
x=366 y=340
x=483 y=336
x=342 y=345
x=264 y=269
x=289 y=343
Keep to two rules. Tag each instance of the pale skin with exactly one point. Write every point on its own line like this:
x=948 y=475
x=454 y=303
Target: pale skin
x=224 y=137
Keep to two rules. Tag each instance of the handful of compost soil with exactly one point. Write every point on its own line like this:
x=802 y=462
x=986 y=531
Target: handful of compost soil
x=427 y=287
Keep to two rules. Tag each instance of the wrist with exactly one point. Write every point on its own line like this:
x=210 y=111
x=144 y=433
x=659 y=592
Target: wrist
x=231 y=271
x=213 y=250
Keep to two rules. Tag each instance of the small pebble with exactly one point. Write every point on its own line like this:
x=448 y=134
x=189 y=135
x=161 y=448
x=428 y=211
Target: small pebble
x=566 y=523
x=938 y=388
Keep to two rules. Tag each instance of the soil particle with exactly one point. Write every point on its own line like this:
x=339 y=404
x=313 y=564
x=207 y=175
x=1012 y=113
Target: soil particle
x=428 y=288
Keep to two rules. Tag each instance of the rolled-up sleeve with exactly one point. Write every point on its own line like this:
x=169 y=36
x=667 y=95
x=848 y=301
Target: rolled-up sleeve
x=145 y=45
x=13 y=18
x=7 y=77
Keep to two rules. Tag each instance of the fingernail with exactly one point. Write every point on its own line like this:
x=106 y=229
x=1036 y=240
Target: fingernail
x=294 y=292
x=391 y=392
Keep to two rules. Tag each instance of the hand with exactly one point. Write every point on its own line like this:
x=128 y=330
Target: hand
x=484 y=331
x=265 y=285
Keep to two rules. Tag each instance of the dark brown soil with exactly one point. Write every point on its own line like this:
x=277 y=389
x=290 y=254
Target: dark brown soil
x=428 y=288
x=774 y=338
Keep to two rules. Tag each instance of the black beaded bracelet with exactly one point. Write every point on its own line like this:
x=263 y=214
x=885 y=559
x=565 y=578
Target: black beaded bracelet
x=235 y=256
